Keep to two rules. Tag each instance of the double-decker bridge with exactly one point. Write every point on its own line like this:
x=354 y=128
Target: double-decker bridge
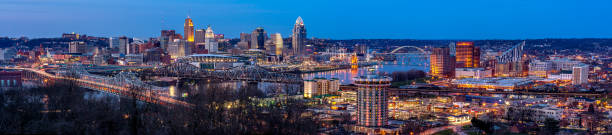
x=249 y=73
x=123 y=84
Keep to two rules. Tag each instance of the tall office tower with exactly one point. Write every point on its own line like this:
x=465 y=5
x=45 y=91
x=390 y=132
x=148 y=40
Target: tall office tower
x=258 y=39
x=270 y=47
x=310 y=88
x=188 y=30
x=211 y=43
x=179 y=48
x=452 y=46
x=246 y=38
x=123 y=45
x=372 y=99
x=200 y=36
x=200 y=41
x=166 y=37
x=476 y=57
x=580 y=74
x=277 y=40
x=441 y=63
x=298 y=38
x=361 y=49
x=113 y=42
x=78 y=47
x=467 y=55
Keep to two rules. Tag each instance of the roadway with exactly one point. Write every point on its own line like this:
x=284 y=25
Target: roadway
x=399 y=90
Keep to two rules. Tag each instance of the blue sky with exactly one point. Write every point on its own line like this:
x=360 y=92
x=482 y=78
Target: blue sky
x=336 y=19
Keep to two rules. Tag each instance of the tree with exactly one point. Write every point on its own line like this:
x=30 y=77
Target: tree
x=483 y=125
x=551 y=126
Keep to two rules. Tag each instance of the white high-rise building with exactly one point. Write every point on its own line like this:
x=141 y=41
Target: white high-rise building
x=123 y=45
x=113 y=42
x=179 y=48
x=580 y=74
x=210 y=41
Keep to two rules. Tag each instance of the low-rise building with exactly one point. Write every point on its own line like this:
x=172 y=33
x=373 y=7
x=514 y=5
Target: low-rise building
x=495 y=83
x=472 y=73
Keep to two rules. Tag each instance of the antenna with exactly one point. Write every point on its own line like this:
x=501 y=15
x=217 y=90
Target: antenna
x=189 y=13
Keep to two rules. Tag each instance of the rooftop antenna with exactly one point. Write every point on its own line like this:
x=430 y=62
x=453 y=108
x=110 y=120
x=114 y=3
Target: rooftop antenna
x=189 y=13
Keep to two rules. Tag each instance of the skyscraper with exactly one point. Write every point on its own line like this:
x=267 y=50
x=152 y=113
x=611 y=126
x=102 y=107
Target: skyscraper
x=179 y=48
x=123 y=45
x=78 y=47
x=277 y=39
x=189 y=30
x=166 y=37
x=298 y=38
x=200 y=41
x=200 y=36
x=580 y=74
x=441 y=63
x=211 y=42
x=258 y=38
x=113 y=42
x=467 y=55
x=372 y=99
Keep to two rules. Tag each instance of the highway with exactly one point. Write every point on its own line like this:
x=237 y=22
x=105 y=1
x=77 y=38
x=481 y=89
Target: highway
x=399 y=90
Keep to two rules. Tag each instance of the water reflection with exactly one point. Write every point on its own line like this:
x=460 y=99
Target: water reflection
x=345 y=75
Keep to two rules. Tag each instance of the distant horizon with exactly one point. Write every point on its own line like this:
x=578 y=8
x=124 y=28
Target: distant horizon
x=145 y=38
x=359 y=19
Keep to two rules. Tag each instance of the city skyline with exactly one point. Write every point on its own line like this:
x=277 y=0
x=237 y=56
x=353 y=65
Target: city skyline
x=384 y=20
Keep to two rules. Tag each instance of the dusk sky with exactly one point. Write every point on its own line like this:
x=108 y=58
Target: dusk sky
x=336 y=19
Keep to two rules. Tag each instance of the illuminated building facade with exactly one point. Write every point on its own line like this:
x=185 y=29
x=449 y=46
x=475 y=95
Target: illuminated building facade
x=10 y=79
x=539 y=68
x=580 y=74
x=79 y=47
x=134 y=59
x=200 y=35
x=510 y=63
x=277 y=40
x=245 y=41
x=166 y=37
x=467 y=55
x=372 y=99
x=72 y=36
x=258 y=39
x=123 y=45
x=188 y=29
x=211 y=43
x=212 y=61
x=298 y=38
x=310 y=87
x=472 y=73
x=321 y=86
x=441 y=63
x=505 y=84
x=178 y=48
